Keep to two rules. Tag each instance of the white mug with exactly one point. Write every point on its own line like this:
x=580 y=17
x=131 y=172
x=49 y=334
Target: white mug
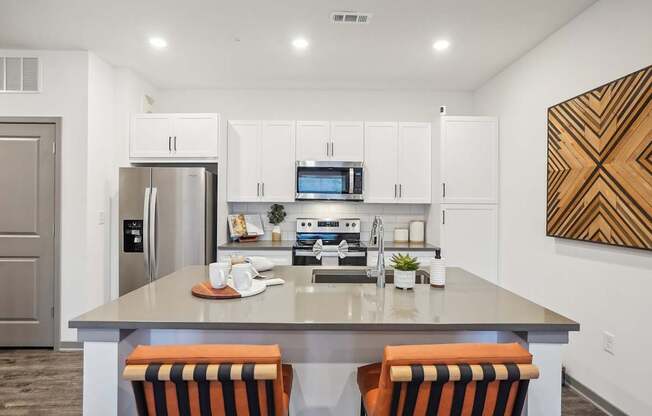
x=218 y=273
x=242 y=276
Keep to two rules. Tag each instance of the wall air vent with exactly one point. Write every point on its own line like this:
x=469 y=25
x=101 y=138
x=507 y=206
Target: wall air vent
x=20 y=74
x=354 y=18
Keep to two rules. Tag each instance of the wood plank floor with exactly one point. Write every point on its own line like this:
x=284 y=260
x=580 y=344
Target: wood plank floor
x=44 y=382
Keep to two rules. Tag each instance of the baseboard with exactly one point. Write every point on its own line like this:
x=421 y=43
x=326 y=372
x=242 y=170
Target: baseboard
x=70 y=345
x=594 y=397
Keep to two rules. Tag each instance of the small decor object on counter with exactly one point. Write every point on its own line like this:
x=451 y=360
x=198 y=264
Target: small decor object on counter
x=437 y=270
x=276 y=215
x=218 y=273
x=405 y=270
x=401 y=235
x=417 y=231
x=245 y=227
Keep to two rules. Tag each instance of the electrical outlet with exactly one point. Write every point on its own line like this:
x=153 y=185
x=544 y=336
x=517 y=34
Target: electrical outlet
x=608 y=341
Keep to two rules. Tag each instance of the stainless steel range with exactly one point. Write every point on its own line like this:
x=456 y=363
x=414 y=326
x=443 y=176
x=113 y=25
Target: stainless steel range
x=326 y=241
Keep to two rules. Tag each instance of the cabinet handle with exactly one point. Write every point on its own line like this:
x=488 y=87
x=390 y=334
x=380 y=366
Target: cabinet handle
x=262 y=187
x=443 y=190
x=332 y=148
x=257 y=188
x=395 y=190
x=400 y=190
x=170 y=143
x=175 y=143
x=443 y=216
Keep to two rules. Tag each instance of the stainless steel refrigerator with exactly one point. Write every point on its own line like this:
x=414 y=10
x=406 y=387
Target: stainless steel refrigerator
x=167 y=222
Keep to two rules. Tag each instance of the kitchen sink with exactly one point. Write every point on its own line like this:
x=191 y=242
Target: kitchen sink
x=358 y=276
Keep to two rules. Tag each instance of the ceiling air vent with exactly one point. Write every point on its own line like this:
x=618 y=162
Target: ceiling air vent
x=20 y=74
x=355 y=18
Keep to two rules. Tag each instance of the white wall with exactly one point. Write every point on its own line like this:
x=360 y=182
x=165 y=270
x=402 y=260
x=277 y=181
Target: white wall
x=603 y=288
x=65 y=94
x=316 y=104
x=94 y=100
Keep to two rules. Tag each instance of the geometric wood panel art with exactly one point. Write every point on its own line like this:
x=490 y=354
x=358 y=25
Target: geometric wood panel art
x=600 y=164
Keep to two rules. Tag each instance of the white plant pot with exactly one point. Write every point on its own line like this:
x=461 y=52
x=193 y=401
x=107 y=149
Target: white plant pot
x=405 y=279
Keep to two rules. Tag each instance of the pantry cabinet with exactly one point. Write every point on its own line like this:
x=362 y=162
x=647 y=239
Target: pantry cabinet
x=397 y=162
x=260 y=161
x=330 y=140
x=163 y=137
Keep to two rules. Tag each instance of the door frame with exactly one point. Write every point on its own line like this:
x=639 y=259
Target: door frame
x=56 y=302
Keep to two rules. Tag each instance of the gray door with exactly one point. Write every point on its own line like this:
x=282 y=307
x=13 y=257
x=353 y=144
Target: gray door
x=134 y=215
x=27 y=174
x=178 y=222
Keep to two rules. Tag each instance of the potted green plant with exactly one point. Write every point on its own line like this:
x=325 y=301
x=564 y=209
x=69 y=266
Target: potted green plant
x=276 y=215
x=405 y=270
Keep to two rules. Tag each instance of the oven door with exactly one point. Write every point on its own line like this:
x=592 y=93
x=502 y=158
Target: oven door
x=304 y=257
x=329 y=180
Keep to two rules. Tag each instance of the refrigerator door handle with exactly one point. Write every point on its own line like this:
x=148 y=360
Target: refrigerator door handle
x=153 y=246
x=146 y=232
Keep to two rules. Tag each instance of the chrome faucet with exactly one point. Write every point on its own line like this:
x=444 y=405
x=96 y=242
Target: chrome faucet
x=378 y=233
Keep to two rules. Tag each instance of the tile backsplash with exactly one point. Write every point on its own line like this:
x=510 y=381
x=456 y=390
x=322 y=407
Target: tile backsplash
x=394 y=215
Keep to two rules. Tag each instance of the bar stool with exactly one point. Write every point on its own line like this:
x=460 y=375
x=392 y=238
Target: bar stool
x=447 y=379
x=209 y=380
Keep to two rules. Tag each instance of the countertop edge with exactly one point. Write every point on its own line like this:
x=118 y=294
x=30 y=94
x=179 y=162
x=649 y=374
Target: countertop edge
x=568 y=327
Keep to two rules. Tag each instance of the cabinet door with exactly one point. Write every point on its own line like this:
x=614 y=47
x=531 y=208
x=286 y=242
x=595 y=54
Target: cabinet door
x=277 y=161
x=312 y=141
x=243 y=167
x=151 y=136
x=469 y=238
x=347 y=141
x=381 y=162
x=195 y=136
x=414 y=163
x=469 y=160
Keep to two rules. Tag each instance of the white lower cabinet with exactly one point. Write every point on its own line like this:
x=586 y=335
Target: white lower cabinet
x=261 y=163
x=397 y=163
x=469 y=238
x=278 y=257
x=172 y=137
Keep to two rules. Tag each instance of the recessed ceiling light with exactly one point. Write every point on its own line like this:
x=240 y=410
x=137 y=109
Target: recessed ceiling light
x=441 y=45
x=158 y=43
x=300 y=43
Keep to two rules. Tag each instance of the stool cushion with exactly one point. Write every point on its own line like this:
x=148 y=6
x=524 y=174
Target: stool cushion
x=374 y=380
x=220 y=354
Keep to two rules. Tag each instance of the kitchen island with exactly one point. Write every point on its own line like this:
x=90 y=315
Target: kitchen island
x=325 y=330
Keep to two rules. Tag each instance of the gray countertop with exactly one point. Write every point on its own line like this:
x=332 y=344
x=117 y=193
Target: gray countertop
x=287 y=245
x=466 y=303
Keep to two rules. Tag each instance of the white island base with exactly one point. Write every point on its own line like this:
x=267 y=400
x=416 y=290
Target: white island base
x=324 y=363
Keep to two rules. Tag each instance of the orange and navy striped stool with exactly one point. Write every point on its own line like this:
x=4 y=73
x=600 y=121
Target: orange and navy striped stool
x=448 y=379
x=214 y=380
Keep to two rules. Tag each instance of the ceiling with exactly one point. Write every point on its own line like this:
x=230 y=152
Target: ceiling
x=247 y=43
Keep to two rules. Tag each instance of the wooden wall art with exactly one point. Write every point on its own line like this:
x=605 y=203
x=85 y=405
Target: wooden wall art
x=600 y=164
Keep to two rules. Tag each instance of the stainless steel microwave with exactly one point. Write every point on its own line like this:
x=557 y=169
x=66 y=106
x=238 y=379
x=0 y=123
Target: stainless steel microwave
x=329 y=180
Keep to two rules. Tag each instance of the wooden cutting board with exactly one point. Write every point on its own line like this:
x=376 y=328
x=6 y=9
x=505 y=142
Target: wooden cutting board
x=204 y=290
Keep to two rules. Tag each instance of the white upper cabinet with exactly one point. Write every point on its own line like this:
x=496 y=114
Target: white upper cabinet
x=347 y=141
x=381 y=162
x=174 y=137
x=260 y=161
x=324 y=140
x=243 y=175
x=469 y=160
x=313 y=140
x=151 y=136
x=277 y=162
x=397 y=162
x=414 y=163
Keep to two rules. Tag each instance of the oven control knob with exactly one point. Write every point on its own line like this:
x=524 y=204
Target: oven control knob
x=309 y=224
x=303 y=224
x=348 y=225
